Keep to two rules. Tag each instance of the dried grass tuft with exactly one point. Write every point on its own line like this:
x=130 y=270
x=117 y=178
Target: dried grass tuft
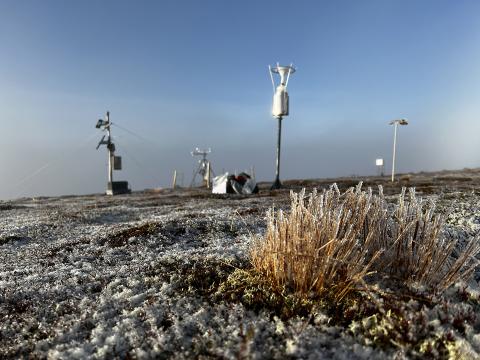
x=322 y=243
x=329 y=242
x=418 y=253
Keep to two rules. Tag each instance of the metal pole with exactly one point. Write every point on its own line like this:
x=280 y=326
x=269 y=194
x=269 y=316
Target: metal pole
x=394 y=146
x=277 y=184
x=208 y=175
x=110 y=154
x=174 y=183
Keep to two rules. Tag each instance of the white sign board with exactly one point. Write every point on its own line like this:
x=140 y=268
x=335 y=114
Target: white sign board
x=379 y=162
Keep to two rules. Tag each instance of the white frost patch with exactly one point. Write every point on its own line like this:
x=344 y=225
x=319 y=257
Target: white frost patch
x=79 y=296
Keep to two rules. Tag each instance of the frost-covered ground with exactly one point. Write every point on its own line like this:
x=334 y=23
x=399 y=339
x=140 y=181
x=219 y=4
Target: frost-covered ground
x=133 y=277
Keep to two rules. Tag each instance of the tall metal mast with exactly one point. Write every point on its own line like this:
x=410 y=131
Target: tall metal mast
x=277 y=184
x=204 y=168
x=114 y=162
x=280 y=109
x=110 y=147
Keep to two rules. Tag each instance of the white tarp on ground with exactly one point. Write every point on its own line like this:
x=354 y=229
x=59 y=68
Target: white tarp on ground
x=220 y=184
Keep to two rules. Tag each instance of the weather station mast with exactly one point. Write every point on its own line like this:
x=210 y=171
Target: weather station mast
x=114 y=162
x=204 y=167
x=280 y=108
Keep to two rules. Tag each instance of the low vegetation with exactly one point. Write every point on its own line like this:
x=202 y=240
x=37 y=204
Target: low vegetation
x=330 y=242
x=417 y=253
x=337 y=256
x=322 y=243
x=370 y=277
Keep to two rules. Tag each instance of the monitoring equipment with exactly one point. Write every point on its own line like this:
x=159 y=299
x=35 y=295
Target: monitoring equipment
x=280 y=94
x=204 y=168
x=380 y=167
x=280 y=107
x=114 y=162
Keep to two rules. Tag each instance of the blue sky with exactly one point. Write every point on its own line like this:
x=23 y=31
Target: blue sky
x=183 y=74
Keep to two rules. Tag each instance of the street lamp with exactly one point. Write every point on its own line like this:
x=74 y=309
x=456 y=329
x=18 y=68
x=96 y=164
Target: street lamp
x=280 y=108
x=395 y=123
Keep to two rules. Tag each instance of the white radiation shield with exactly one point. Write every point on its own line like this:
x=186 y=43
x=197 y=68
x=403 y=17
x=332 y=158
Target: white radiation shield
x=280 y=106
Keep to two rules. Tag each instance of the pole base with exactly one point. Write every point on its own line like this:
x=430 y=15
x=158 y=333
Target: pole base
x=276 y=184
x=117 y=187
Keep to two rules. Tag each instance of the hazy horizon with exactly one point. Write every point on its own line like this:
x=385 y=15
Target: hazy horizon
x=184 y=74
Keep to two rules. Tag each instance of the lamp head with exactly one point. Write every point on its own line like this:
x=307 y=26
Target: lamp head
x=399 y=122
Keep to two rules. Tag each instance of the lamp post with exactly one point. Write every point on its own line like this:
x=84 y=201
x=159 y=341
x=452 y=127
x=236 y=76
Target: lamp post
x=395 y=123
x=280 y=109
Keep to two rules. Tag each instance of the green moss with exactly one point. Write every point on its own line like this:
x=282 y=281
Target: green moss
x=255 y=292
x=409 y=331
x=439 y=347
x=381 y=320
